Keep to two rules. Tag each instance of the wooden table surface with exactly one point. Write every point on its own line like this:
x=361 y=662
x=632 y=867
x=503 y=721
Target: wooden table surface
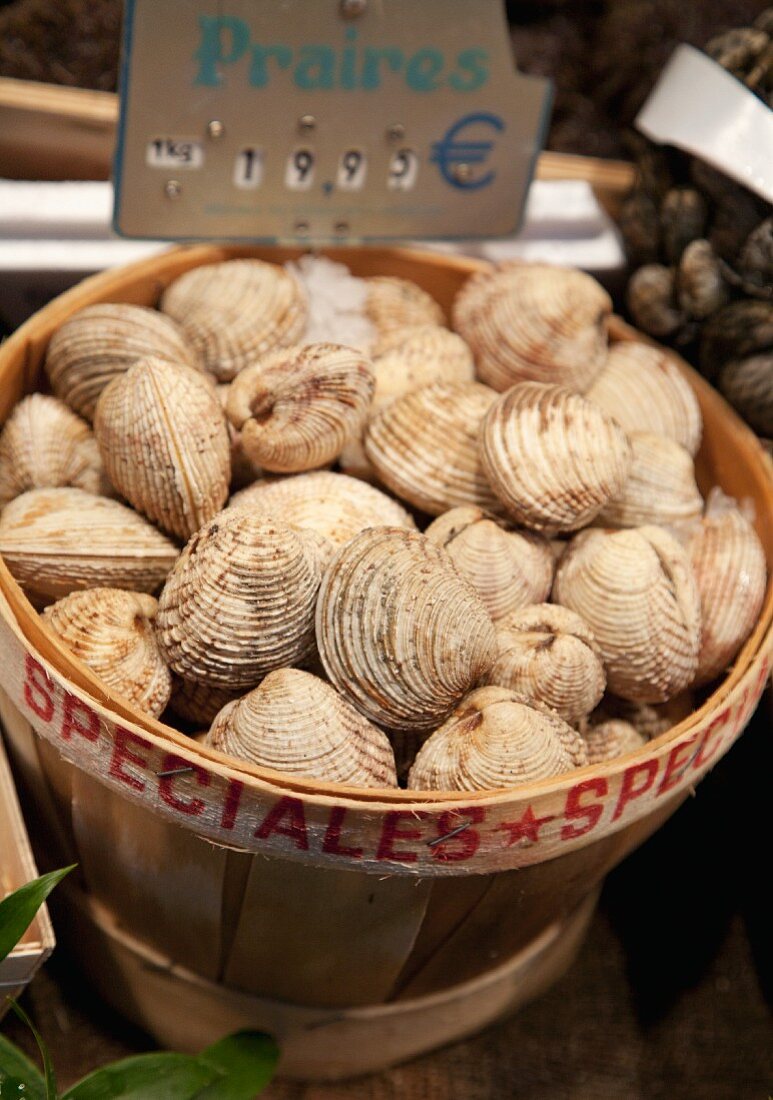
x=671 y=995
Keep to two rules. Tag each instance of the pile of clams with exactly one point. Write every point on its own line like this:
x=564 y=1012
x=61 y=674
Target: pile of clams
x=521 y=579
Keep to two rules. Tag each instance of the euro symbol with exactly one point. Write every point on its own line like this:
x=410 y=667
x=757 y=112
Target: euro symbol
x=449 y=153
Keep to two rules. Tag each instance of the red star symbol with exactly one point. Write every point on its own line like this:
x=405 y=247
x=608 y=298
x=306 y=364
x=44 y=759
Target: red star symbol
x=526 y=828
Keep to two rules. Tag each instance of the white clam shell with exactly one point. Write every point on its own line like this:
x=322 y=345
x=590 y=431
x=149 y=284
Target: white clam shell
x=393 y=304
x=424 y=447
x=644 y=390
x=649 y=719
x=496 y=738
x=553 y=458
x=399 y=632
x=236 y=311
x=534 y=322
x=296 y=408
x=100 y=342
x=660 y=487
x=112 y=632
x=45 y=445
x=240 y=601
x=549 y=655
x=611 y=739
x=297 y=724
x=636 y=591
x=164 y=442
x=56 y=541
x=508 y=569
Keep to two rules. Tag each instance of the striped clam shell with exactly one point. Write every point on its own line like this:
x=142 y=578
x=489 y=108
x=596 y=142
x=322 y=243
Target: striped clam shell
x=243 y=470
x=534 y=322
x=399 y=632
x=197 y=703
x=644 y=390
x=57 y=541
x=728 y=562
x=393 y=304
x=635 y=590
x=548 y=654
x=660 y=487
x=45 y=445
x=164 y=443
x=336 y=506
x=508 y=569
x=611 y=739
x=553 y=458
x=295 y=723
x=240 y=601
x=235 y=311
x=100 y=342
x=296 y=408
x=112 y=632
x=496 y=738
x=424 y=447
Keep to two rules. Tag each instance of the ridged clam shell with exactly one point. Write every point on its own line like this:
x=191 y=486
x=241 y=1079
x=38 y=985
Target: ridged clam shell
x=748 y=386
x=235 y=311
x=636 y=591
x=548 y=654
x=243 y=470
x=644 y=390
x=399 y=632
x=424 y=354
x=660 y=487
x=45 y=445
x=112 y=632
x=553 y=458
x=100 y=342
x=729 y=566
x=297 y=724
x=393 y=304
x=197 y=703
x=240 y=601
x=508 y=569
x=57 y=541
x=534 y=322
x=611 y=739
x=649 y=719
x=424 y=447
x=496 y=738
x=336 y=506
x=164 y=442
x=296 y=408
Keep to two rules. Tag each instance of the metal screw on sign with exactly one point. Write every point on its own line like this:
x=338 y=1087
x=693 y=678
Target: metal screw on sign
x=461 y=172
x=215 y=129
x=396 y=132
x=352 y=9
x=302 y=228
x=173 y=189
x=307 y=123
x=341 y=229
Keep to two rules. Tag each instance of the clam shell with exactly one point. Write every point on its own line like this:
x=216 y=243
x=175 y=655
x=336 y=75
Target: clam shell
x=240 y=601
x=748 y=386
x=112 y=632
x=553 y=458
x=100 y=342
x=393 y=304
x=296 y=408
x=45 y=445
x=57 y=541
x=334 y=505
x=496 y=738
x=534 y=322
x=164 y=442
x=243 y=470
x=235 y=311
x=197 y=703
x=424 y=447
x=548 y=654
x=660 y=487
x=297 y=724
x=508 y=569
x=416 y=357
x=611 y=739
x=636 y=591
x=644 y=390
x=399 y=632
x=649 y=719
x=729 y=566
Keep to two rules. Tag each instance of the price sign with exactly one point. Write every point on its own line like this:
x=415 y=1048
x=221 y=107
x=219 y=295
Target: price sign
x=323 y=120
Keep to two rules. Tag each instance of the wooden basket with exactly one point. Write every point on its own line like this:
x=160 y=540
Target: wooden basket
x=282 y=892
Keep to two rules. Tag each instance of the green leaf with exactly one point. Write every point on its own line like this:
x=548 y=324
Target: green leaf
x=171 y=1076
x=16 y=1070
x=49 y=1078
x=18 y=910
x=246 y=1061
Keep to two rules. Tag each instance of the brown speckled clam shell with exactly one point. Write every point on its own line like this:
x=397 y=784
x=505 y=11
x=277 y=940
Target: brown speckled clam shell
x=660 y=487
